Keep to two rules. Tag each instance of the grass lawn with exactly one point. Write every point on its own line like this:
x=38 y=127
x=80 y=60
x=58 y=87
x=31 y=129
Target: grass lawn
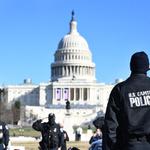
x=34 y=145
x=29 y=132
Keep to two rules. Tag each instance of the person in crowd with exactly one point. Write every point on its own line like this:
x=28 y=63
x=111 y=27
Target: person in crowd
x=96 y=136
x=66 y=137
x=78 y=133
x=127 y=123
x=4 y=136
x=52 y=137
x=96 y=140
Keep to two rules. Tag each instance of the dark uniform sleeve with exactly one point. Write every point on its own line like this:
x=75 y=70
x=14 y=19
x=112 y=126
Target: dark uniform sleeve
x=111 y=121
x=37 y=125
x=91 y=140
x=61 y=137
x=6 y=135
x=67 y=137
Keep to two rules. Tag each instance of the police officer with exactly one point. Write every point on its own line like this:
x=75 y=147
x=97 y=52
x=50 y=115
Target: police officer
x=4 y=136
x=52 y=137
x=66 y=137
x=127 y=118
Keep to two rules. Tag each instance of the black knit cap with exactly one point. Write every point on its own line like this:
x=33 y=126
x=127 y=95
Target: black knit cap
x=139 y=63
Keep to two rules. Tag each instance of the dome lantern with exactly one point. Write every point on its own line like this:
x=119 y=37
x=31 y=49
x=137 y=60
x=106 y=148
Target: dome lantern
x=73 y=38
x=72 y=15
x=73 y=25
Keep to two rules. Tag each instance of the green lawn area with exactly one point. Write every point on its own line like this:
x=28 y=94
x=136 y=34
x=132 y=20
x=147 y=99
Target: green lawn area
x=34 y=145
x=28 y=131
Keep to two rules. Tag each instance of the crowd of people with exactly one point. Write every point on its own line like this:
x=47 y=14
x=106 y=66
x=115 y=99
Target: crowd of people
x=126 y=125
x=54 y=137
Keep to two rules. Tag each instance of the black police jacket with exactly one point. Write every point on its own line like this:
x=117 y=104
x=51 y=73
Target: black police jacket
x=66 y=138
x=127 y=112
x=4 y=134
x=52 y=137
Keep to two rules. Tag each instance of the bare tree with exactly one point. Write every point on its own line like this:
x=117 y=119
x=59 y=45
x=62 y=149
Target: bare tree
x=16 y=111
x=2 y=107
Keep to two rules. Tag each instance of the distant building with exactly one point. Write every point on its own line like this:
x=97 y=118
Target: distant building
x=72 y=79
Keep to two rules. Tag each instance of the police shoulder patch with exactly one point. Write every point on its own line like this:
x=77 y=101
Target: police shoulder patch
x=55 y=130
x=6 y=127
x=61 y=129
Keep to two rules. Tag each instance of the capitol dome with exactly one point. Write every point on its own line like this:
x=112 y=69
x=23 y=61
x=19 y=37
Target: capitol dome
x=73 y=56
x=73 y=39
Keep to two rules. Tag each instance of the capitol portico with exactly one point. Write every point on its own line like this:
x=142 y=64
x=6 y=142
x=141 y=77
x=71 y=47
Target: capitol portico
x=73 y=65
x=73 y=79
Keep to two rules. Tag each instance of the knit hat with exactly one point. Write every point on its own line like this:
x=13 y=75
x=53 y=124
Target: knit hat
x=139 y=62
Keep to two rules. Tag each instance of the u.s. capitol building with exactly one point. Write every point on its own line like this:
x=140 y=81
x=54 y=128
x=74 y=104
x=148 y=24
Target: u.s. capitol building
x=72 y=79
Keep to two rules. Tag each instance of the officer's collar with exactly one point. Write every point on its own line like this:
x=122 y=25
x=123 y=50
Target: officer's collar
x=51 y=124
x=138 y=74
